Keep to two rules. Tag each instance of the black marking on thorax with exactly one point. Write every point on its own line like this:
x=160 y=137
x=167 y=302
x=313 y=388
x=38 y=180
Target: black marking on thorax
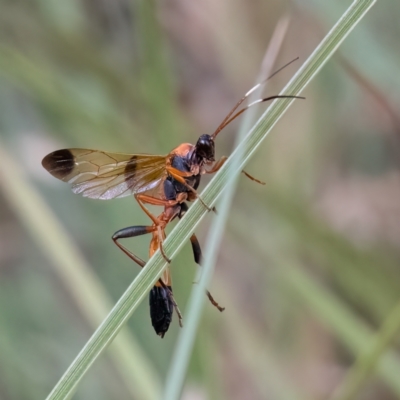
x=172 y=187
x=181 y=163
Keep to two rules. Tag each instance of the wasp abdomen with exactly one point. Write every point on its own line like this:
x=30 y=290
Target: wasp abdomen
x=161 y=309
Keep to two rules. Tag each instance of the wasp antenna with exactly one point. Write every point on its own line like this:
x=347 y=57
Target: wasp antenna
x=267 y=79
x=258 y=102
x=280 y=69
x=229 y=117
x=272 y=98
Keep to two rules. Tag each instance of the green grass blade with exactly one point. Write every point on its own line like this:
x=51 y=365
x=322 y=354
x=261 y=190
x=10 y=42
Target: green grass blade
x=144 y=281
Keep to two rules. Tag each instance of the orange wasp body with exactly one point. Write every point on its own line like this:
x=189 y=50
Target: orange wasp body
x=167 y=181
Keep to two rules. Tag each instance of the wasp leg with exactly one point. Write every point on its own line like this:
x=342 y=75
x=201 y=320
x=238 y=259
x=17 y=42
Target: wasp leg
x=129 y=232
x=133 y=231
x=157 y=243
x=252 y=178
x=180 y=177
x=174 y=303
x=213 y=302
x=155 y=310
x=217 y=165
x=198 y=258
x=222 y=161
x=148 y=199
x=141 y=199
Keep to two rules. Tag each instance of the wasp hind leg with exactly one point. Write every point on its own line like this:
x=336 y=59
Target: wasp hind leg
x=161 y=299
x=198 y=257
x=132 y=231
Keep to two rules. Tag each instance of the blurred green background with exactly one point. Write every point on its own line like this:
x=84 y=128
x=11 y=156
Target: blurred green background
x=309 y=266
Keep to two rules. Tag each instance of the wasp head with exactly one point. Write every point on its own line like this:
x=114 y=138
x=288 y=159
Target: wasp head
x=204 y=149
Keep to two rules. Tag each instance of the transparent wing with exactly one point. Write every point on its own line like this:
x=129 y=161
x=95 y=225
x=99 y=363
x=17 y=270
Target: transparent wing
x=102 y=175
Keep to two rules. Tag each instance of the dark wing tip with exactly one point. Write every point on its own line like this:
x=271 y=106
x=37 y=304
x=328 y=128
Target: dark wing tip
x=60 y=163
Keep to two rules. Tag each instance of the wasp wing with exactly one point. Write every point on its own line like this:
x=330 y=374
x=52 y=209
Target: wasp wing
x=102 y=175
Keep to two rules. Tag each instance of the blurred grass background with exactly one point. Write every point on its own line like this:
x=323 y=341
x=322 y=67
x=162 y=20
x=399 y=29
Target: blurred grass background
x=309 y=267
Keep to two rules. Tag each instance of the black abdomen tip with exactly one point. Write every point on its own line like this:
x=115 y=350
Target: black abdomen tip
x=161 y=309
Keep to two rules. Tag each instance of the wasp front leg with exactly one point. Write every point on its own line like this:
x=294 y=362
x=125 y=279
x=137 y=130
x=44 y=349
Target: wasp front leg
x=217 y=166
